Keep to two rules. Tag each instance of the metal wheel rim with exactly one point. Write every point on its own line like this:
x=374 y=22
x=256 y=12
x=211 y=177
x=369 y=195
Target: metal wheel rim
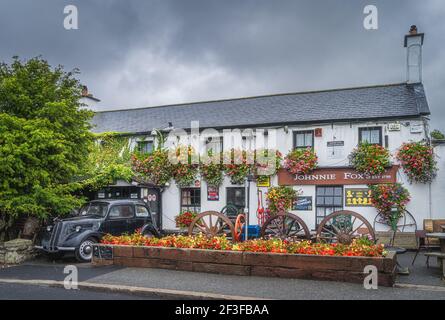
x=401 y=223
x=84 y=247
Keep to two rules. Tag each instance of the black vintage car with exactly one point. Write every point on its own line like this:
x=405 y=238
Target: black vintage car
x=94 y=220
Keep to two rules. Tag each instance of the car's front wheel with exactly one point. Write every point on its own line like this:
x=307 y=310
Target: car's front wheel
x=84 y=252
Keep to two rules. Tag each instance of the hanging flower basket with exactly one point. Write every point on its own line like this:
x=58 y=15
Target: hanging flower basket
x=154 y=167
x=185 y=171
x=384 y=197
x=371 y=159
x=417 y=161
x=238 y=164
x=301 y=161
x=267 y=162
x=280 y=199
x=184 y=219
x=211 y=169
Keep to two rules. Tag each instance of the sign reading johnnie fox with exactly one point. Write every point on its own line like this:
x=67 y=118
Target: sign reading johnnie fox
x=336 y=176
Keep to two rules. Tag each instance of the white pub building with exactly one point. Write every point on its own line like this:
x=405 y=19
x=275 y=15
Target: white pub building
x=333 y=122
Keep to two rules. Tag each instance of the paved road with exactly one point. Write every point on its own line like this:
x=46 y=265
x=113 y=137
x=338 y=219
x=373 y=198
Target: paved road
x=269 y=288
x=33 y=292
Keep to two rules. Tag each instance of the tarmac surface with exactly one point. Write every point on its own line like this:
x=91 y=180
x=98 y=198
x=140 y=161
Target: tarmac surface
x=422 y=283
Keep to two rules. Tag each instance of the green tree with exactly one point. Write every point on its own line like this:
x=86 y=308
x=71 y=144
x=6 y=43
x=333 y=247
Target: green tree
x=45 y=140
x=109 y=160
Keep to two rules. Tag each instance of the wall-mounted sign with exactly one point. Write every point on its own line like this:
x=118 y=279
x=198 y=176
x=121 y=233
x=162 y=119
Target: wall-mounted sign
x=212 y=193
x=303 y=203
x=358 y=197
x=335 y=149
x=335 y=144
x=416 y=127
x=336 y=176
x=394 y=127
x=134 y=196
x=263 y=181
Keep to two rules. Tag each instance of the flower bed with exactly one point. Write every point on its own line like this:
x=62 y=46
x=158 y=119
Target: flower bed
x=359 y=248
x=267 y=258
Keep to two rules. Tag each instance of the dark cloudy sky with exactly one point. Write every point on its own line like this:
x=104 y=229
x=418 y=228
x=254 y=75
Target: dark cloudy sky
x=137 y=53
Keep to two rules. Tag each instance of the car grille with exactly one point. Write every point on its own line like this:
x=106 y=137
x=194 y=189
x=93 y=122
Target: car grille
x=54 y=239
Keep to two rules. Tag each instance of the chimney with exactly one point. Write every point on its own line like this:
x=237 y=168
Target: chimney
x=413 y=45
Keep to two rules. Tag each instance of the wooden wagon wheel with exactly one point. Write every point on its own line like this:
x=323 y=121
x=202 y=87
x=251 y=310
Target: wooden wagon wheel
x=285 y=226
x=344 y=226
x=406 y=223
x=211 y=224
x=239 y=226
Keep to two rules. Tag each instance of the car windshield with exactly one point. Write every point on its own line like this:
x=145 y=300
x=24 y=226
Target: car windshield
x=94 y=209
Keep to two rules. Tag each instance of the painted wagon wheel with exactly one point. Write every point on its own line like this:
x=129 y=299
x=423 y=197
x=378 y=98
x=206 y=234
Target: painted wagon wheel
x=406 y=223
x=239 y=226
x=344 y=226
x=285 y=226
x=211 y=224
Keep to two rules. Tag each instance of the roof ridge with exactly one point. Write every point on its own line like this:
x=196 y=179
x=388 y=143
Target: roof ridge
x=256 y=97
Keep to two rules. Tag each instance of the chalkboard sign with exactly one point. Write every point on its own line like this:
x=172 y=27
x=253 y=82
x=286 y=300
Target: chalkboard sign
x=303 y=203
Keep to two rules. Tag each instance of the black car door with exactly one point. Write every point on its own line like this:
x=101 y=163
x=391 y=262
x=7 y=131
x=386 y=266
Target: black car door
x=120 y=220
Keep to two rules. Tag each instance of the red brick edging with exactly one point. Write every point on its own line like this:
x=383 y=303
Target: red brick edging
x=345 y=269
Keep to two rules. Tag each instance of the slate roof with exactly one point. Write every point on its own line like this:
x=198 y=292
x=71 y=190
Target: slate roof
x=351 y=104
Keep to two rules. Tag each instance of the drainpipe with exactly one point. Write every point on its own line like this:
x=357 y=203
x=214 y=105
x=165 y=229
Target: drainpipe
x=428 y=141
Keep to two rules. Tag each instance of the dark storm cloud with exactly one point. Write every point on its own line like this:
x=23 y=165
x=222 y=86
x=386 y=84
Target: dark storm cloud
x=139 y=53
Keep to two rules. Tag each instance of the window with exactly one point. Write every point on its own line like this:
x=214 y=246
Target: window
x=371 y=135
x=141 y=212
x=328 y=200
x=303 y=139
x=236 y=196
x=145 y=146
x=191 y=199
x=121 y=212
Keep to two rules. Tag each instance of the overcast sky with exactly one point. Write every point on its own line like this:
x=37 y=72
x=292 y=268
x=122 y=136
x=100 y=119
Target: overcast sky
x=138 y=53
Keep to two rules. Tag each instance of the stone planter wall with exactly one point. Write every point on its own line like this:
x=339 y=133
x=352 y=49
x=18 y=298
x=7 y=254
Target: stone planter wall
x=16 y=251
x=345 y=269
x=405 y=240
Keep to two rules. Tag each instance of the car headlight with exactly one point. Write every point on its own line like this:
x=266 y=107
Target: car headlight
x=78 y=228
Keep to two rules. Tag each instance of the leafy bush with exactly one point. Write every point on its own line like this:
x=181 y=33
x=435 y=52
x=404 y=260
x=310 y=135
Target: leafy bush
x=438 y=135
